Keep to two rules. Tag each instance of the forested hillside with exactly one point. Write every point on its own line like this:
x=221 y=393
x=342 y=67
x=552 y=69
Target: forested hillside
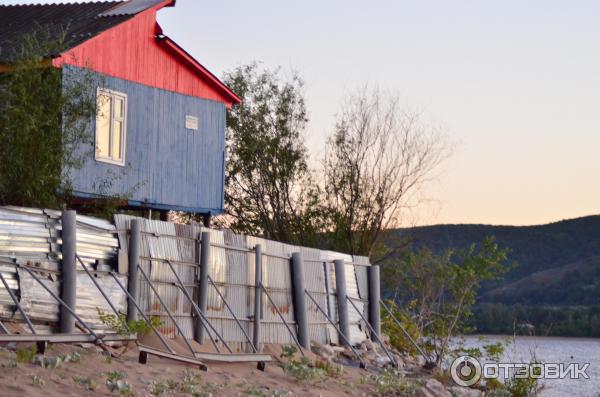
x=556 y=286
x=535 y=248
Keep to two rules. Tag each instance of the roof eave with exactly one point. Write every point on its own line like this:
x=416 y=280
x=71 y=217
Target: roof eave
x=197 y=66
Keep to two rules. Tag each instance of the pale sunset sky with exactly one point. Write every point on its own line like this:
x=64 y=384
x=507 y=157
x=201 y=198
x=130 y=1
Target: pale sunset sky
x=516 y=85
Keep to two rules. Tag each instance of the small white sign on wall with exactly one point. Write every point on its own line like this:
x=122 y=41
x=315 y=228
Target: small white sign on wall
x=191 y=123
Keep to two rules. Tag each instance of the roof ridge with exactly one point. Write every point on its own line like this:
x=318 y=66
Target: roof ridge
x=61 y=4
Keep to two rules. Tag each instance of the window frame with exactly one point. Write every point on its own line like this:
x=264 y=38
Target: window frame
x=112 y=94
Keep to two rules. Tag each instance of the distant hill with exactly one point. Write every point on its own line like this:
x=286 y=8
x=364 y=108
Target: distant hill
x=574 y=284
x=534 y=248
x=555 y=287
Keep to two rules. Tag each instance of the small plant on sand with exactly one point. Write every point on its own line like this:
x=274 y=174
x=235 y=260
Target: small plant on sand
x=85 y=382
x=172 y=384
x=390 y=382
x=210 y=389
x=301 y=370
x=525 y=386
x=190 y=381
x=256 y=391
x=10 y=364
x=37 y=380
x=158 y=389
x=52 y=362
x=331 y=369
x=115 y=381
x=123 y=327
x=26 y=356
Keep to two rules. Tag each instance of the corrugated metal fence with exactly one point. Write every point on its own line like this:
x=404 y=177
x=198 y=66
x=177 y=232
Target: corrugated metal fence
x=32 y=237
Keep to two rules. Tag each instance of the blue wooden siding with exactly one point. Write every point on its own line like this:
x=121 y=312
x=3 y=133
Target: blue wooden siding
x=167 y=165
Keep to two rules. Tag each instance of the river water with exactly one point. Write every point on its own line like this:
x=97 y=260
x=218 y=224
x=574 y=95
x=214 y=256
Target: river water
x=522 y=349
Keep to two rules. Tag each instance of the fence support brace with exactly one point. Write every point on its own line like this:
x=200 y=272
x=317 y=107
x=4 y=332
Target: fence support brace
x=342 y=336
x=290 y=331
x=373 y=334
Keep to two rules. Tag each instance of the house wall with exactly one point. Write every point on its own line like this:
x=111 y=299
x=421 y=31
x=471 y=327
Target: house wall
x=166 y=165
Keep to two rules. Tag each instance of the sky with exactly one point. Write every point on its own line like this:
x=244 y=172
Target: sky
x=515 y=85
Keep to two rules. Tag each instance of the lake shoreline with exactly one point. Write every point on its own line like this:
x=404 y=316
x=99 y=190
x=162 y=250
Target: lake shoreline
x=532 y=336
x=550 y=349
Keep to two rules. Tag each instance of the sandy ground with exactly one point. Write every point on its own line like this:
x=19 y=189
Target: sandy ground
x=222 y=379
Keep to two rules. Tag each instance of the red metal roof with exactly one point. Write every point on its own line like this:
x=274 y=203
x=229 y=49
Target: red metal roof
x=120 y=39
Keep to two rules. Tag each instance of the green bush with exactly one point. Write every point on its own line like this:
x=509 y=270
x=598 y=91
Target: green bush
x=26 y=356
x=123 y=327
x=115 y=381
x=389 y=382
x=301 y=370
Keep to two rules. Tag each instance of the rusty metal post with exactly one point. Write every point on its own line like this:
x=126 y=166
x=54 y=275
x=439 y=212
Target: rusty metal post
x=68 y=291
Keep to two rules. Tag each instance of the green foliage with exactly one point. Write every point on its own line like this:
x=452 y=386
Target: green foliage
x=331 y=369
x=391 y=328
x=172 y=384
x=43 y=124
x=190 y=381
x=301 y=370
x=123 y=327
x=288 y=351
x=115 y=381
x=375 y=160
x=159 y=388
x=513 y=387
x=389 y=382
x=494 y=351
x=26 y=356
x=522 y=387
x=437 y=292
x=256 y=391
x=269 y=190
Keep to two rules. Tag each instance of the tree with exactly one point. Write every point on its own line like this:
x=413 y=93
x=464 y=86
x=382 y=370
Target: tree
x=377 y=160
x=437 y=292
x=269 y=189
x=43 y=118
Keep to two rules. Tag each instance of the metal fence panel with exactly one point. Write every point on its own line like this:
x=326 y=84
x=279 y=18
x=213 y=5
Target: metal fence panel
x=31 y=237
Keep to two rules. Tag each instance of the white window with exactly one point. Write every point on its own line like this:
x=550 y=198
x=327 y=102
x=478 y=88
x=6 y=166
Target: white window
x=111 y=126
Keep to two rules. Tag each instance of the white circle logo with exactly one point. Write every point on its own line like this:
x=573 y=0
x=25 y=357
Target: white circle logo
x=465 y=371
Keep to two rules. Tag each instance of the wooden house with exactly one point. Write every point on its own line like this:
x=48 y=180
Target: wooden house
x=161 y=120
